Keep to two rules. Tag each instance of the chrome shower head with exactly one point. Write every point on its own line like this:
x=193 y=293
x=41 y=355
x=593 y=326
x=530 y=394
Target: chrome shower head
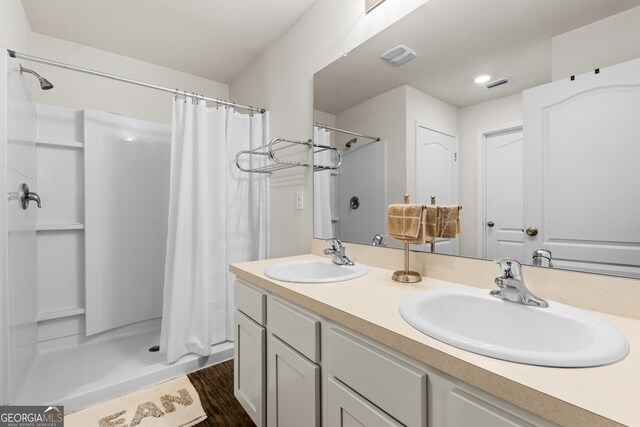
x=44 y=83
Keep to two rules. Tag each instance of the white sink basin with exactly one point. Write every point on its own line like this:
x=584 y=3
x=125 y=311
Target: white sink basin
x=314 y=271
x=471 y=319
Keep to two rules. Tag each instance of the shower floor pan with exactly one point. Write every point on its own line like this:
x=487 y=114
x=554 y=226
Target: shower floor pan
x=81 y=376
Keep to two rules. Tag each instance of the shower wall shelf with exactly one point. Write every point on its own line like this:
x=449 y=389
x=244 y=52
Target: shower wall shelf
x=268 y=161
x=59 y=227
x=59 y=314
x=59 y=143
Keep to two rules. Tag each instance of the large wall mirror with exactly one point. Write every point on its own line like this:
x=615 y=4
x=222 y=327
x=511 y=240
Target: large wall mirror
x=525 y=113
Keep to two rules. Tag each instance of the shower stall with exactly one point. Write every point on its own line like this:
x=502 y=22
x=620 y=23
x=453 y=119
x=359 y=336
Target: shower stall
x=82 y=276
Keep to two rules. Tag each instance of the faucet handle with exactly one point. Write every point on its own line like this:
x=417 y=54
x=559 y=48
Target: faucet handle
x=336 y=244
x=510 y=267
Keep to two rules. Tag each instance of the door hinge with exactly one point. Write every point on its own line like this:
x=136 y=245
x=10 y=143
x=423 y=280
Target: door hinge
x=455 y=157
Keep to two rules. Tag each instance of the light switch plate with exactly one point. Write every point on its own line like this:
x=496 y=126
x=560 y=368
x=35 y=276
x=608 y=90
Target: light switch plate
x=299 y=200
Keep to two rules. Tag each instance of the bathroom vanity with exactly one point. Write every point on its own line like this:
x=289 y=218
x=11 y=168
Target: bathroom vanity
x=339 y=354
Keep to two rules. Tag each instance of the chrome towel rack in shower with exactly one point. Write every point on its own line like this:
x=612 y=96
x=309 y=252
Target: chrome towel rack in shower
x=319 y=148
x=268 y=161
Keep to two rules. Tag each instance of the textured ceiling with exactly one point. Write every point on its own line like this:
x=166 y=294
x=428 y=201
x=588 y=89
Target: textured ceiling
x=455 y=41
x=209 y=38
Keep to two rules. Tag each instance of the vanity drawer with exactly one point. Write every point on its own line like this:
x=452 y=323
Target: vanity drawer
x=346 y=408
x=464 y=409
x=297 y=328
x=392 y=385
x=251 y=301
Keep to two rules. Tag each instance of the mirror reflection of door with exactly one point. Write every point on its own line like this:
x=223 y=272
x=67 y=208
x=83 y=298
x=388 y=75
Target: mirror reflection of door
x=581 y=175
x=503 y=204
x=437 y=175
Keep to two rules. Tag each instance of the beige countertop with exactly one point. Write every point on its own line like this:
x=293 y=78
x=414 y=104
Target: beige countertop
x=600 y=396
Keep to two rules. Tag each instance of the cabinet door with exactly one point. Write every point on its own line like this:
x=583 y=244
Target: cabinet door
x=346 y=408
x=377 y=376
x=294 y=387
x=249 y=364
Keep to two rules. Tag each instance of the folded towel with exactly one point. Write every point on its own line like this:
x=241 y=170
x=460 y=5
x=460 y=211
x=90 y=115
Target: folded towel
x=406 y=222
x=432 y=227
x=449 y=222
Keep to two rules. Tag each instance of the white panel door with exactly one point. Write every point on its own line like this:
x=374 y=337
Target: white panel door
x=437 y=175
x=582 y=193
x=503 y=195
x=127 y=164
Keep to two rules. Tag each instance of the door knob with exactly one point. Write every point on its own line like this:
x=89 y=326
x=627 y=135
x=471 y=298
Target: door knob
x=532 y=231
x=490 y=224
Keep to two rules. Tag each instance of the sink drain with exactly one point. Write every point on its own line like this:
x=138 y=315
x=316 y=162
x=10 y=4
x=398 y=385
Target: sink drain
x=154 y=348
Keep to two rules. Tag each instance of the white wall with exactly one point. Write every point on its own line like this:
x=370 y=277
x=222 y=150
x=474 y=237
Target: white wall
x=281 y=79
x=77 y=90
x=15 y=32
x=606 y=42
x=4 y=277
x=471 y=120
x=426 y=110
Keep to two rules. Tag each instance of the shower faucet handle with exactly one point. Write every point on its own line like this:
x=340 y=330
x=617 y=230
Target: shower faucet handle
x=25 y=196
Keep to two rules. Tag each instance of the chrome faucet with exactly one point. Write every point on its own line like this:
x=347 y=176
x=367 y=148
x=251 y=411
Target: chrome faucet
x=337 y=251
x=511 y=284
x=542 y=258
x=377 y=240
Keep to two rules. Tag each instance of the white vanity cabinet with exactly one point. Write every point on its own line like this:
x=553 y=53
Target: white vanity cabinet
x=372 y=385
x=346 y=408
x=382 y=380
x=249 y=375
x=284 y=353
x=293 y=354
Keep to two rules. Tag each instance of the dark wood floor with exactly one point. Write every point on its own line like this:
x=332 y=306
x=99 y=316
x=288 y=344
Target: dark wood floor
x=215 y=387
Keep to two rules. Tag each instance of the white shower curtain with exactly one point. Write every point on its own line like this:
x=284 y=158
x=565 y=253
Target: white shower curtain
x=216 y=216
x=322 y=228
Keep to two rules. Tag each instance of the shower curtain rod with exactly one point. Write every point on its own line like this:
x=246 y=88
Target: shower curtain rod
x=320 y=125
x=15 y=54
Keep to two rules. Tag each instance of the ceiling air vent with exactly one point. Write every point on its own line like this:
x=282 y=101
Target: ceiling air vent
x=398 y=55
x=498 y=82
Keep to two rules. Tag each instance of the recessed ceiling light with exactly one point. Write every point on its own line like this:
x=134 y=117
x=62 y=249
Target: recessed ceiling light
x=482 y=79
